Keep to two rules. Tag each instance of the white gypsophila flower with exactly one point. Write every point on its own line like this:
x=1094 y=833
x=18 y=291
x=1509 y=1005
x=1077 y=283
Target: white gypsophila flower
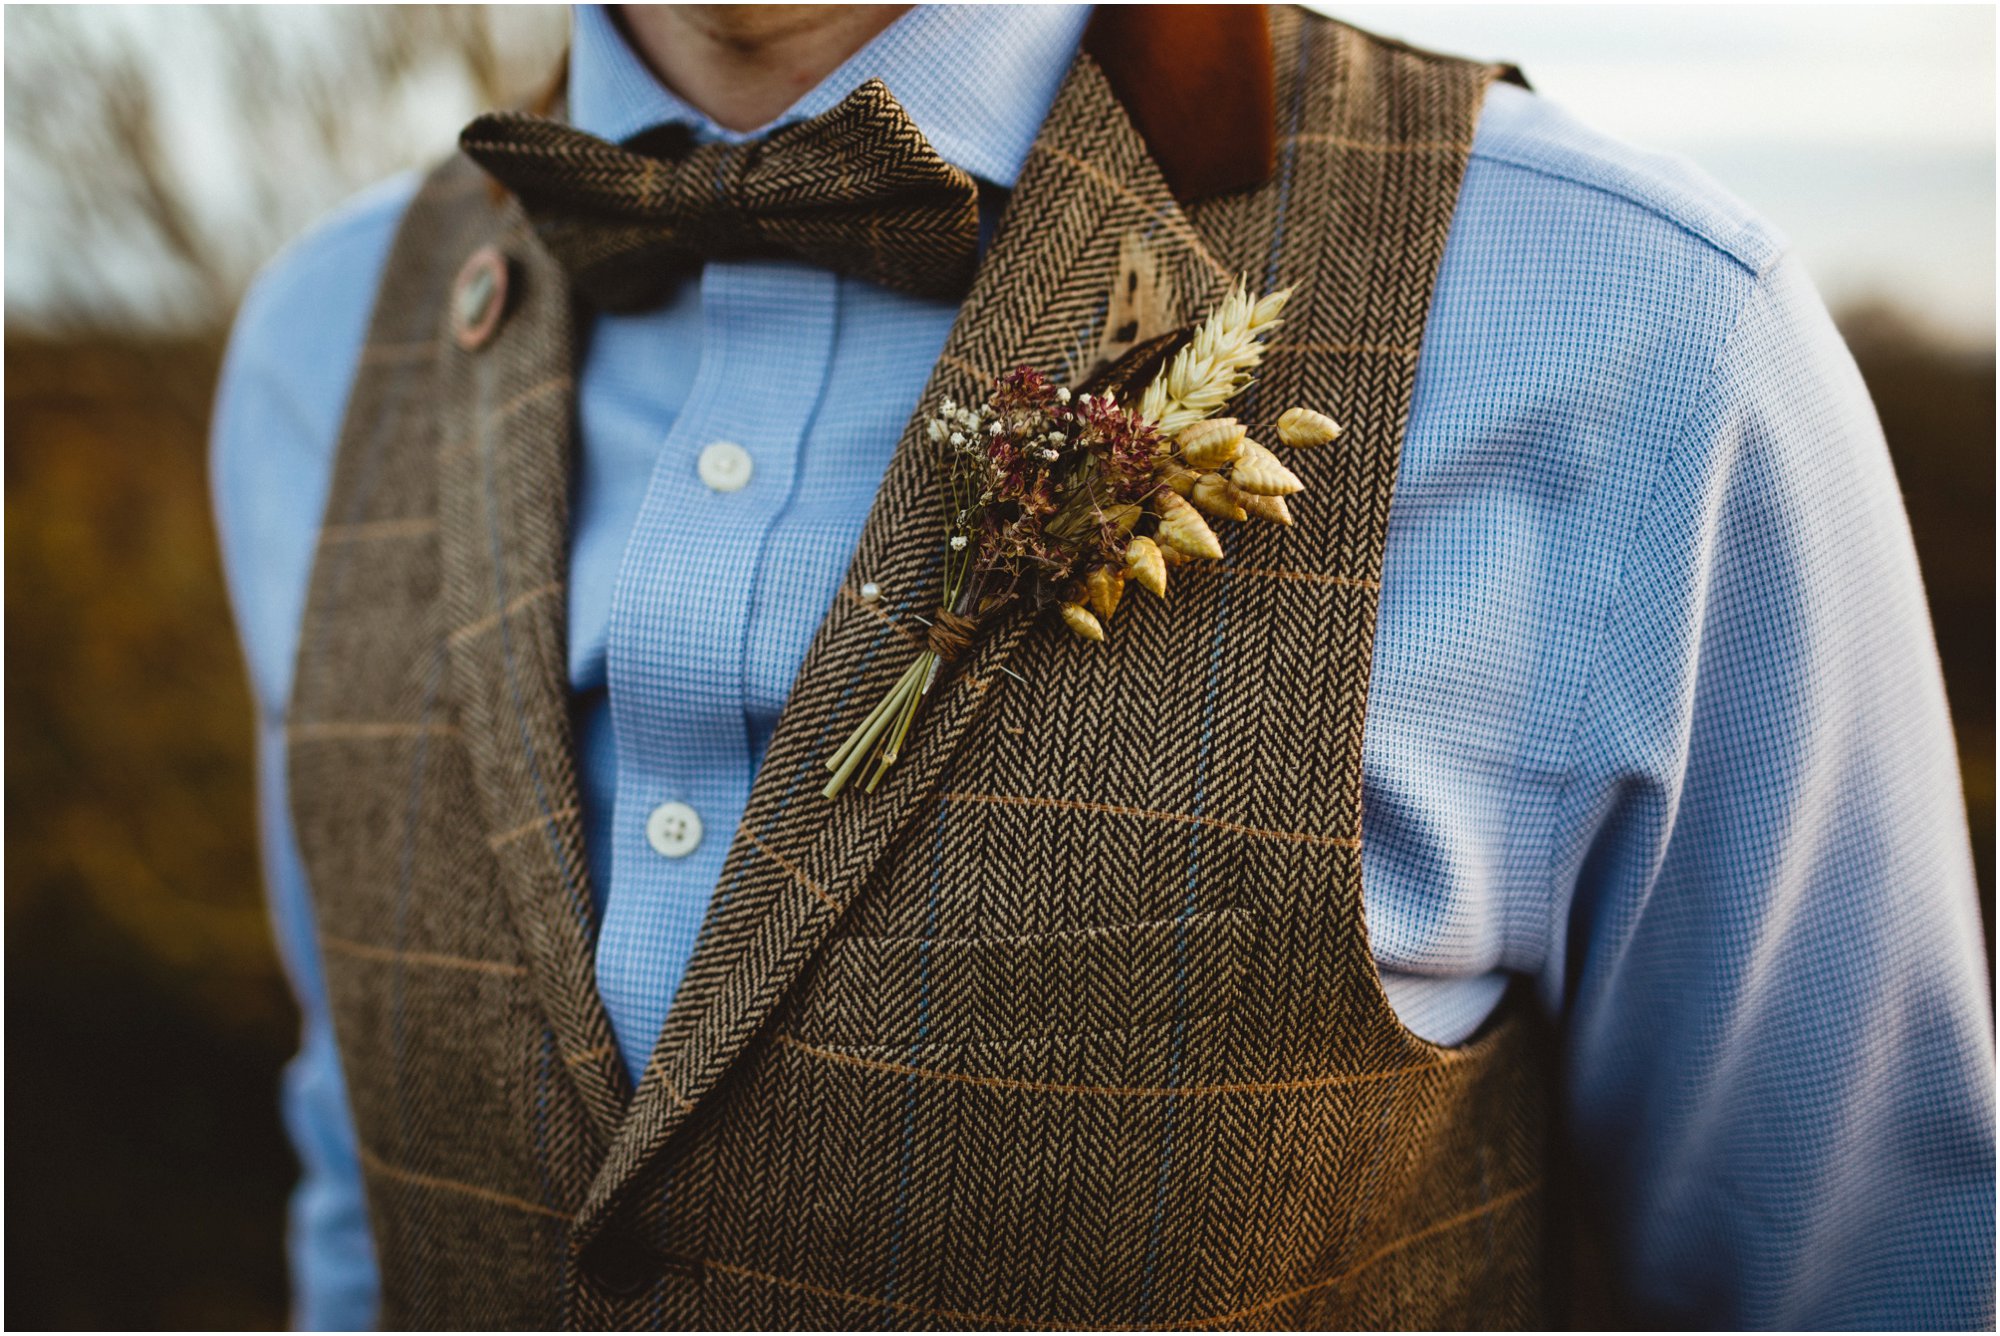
x=958 y=542
x=1062 y=394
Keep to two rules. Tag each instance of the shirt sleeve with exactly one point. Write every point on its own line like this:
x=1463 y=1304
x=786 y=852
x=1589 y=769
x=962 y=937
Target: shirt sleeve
x=1778 y=1039
x=330 y=1253
x=278 y=412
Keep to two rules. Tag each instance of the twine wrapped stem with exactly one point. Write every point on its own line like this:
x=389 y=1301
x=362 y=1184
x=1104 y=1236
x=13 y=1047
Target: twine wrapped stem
x=883 y=732
x=951 y=634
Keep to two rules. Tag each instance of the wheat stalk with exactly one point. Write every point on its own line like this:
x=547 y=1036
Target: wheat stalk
x=1217 y=364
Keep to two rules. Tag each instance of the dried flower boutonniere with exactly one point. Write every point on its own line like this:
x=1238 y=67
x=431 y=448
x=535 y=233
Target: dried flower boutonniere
x=1061 y=498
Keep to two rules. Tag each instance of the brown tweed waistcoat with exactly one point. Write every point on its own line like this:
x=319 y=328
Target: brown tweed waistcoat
x=1074 y=1021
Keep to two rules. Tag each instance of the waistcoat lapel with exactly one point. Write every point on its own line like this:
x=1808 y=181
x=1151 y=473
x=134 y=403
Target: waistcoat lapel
x=799 y=860
x=503 y=524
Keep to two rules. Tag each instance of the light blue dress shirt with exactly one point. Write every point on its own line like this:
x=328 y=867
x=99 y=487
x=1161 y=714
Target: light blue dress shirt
x=1656 y=719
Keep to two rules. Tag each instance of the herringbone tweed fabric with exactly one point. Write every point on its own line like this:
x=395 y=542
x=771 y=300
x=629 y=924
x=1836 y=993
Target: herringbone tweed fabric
x=1074 y=1022
x=857 y=189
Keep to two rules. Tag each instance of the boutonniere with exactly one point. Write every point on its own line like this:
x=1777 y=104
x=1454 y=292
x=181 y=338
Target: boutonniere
x=1060 y=499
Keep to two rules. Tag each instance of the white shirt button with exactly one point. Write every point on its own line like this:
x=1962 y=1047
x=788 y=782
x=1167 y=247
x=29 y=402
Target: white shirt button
x=725 y=466
x=674 y=829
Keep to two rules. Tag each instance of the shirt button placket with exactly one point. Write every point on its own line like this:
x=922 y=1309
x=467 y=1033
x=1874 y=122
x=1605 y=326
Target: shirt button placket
x=681 y=614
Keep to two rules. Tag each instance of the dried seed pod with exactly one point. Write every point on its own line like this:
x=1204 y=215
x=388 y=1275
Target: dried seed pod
x=1123 y=517
x=1271 y=508
x=1176 y=476
x=1145 y=563
x=1265 y=313
x=1213 y=494
x=1259 y=471
x=1082 y=621
x=1106 y=587
x=1211 y=444
x=1302 y=426
x=1182 y=527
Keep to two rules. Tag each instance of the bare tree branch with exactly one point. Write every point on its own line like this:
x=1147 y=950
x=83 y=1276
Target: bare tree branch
x=156 y=157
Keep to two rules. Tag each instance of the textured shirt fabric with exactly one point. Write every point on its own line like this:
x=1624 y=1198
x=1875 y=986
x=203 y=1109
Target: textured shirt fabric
x=1655 y=722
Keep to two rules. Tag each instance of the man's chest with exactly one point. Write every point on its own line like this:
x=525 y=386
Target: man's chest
x=730 y=445
x=1103 y=922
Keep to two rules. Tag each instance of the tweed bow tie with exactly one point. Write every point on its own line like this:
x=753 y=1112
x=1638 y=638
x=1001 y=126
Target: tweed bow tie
x=856 y=189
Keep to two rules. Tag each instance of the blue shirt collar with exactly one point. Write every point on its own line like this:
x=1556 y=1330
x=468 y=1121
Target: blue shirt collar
x=978 y=80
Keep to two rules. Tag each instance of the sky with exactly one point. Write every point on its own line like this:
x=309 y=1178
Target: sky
x=1865 y=133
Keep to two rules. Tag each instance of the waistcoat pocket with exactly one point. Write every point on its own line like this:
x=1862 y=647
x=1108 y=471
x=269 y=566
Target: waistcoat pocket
x=892 y=991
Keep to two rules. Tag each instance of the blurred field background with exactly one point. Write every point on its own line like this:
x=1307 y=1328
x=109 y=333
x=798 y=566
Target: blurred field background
x=156 y=157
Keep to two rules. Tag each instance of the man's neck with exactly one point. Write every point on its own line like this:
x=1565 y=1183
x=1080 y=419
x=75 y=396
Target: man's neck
x=743 y=65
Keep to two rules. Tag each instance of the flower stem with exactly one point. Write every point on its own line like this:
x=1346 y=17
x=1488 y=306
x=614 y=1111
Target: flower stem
x=852 y=752
x=924 y=669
